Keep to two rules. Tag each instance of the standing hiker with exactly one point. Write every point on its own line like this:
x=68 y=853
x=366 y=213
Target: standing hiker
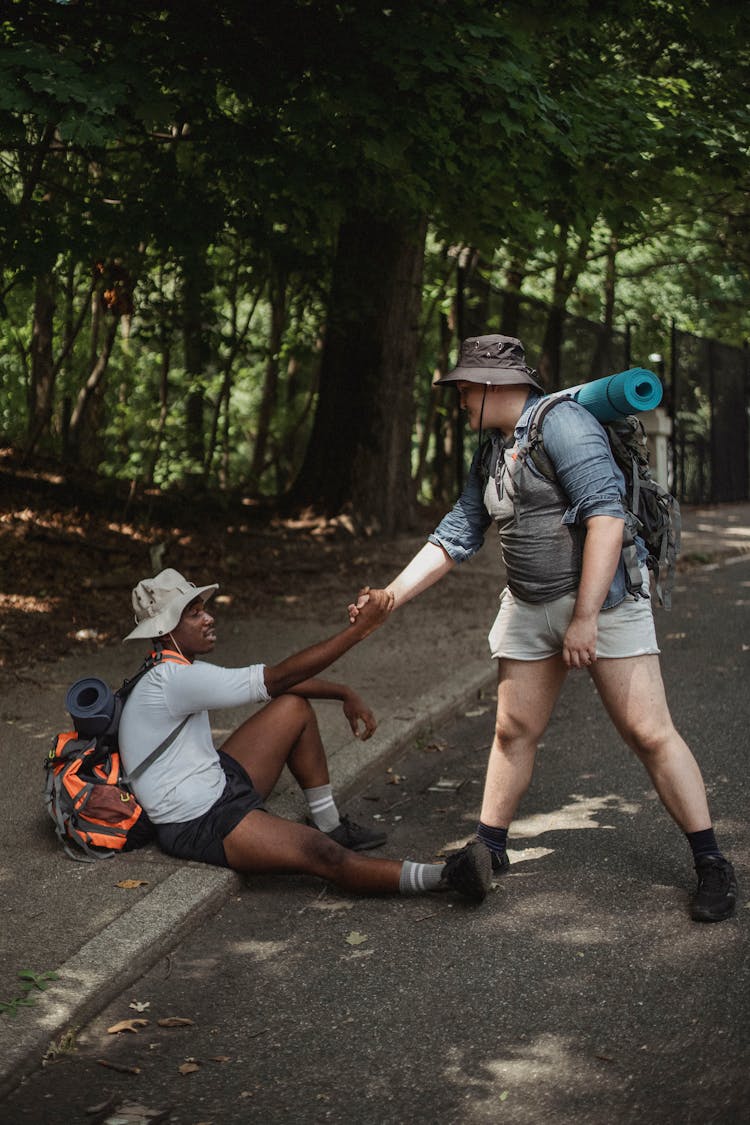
x=208 y=804
x=566 y=604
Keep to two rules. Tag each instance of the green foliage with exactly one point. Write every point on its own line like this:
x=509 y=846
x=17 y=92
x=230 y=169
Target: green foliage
x=31 y=982
x=232 y=140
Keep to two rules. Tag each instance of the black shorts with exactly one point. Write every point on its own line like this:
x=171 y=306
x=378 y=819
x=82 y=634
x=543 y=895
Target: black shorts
x=202 y=838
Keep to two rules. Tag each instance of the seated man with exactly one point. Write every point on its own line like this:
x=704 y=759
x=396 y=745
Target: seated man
x=208 y=805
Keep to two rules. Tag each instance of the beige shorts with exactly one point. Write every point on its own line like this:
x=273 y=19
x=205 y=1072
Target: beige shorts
x=523 y=631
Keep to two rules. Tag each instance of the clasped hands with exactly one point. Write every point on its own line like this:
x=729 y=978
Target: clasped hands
x=371 y=607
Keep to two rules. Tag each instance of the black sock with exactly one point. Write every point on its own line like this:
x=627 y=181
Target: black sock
x=496 y=839
x=703 y=843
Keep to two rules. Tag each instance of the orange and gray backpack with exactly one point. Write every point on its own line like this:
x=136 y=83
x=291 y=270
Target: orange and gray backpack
x=86 y=792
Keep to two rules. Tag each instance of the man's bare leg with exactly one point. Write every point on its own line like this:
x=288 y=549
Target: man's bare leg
x=527 y=691
x=632 y=691
x=284 y=732
x=262 y=843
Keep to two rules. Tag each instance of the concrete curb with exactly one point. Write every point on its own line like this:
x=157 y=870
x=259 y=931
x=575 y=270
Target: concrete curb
x=125 y=949
x=112 y=960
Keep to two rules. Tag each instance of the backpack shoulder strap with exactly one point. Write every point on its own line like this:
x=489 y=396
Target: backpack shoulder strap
x=143 y=766
x=158 y=656
x=535 y=442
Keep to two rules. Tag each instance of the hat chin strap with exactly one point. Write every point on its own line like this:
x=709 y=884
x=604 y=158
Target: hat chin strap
x=481 y=413
x=174 y=642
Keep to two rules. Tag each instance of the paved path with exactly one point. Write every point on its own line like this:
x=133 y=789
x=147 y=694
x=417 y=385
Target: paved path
x=416 y=672
x=579 y=992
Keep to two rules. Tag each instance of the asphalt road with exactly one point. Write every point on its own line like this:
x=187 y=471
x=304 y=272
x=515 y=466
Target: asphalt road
x=579 y=992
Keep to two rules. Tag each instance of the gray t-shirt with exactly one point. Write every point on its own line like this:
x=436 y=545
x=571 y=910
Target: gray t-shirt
x=187 y=777
x=542 y=554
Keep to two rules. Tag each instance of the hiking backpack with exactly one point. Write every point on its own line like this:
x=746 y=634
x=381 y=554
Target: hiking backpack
x=87 y=794
x=651 y=511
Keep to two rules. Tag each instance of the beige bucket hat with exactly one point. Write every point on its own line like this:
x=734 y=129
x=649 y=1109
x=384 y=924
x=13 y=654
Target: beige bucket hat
x=158 y=603
x=496 y=361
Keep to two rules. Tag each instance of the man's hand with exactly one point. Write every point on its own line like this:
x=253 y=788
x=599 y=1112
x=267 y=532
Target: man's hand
x=371 y=609
x=362 y=599
x=357 y=711
x=579 y=642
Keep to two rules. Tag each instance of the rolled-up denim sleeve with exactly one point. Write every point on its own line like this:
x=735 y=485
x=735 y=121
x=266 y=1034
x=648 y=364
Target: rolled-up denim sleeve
x=461 y=532
x=578 y=448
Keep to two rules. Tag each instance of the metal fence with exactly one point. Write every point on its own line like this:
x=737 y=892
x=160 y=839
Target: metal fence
x=707 y=383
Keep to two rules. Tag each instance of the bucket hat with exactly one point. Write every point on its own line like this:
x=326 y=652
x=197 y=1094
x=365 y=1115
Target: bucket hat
x=497 y=361
x=158 y=603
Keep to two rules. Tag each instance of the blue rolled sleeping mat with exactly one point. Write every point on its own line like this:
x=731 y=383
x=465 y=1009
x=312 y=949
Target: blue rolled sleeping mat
x=92 y=706
x=616 y=396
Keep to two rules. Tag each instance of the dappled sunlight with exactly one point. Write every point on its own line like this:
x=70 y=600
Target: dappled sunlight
x=551 y=1071
x=27 y=604
x=524 y=855
x=259 y=950
x=579 y=814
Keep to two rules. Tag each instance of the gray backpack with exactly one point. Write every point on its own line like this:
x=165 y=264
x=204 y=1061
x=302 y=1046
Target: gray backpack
x=651 y=511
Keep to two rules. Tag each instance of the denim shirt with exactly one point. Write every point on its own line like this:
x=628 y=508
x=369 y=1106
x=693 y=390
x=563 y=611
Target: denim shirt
x=578 y=448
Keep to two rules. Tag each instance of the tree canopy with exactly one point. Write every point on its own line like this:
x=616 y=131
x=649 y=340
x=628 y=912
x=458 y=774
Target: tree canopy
x=239 y=238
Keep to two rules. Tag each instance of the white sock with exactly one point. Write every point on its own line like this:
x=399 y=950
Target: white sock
x=323 y=811
x=418 y=878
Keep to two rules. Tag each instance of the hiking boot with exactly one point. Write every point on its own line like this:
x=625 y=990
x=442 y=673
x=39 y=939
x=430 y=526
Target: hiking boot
x=500 y=862
x=468 y=871
x=355 y=837
x=717 y=889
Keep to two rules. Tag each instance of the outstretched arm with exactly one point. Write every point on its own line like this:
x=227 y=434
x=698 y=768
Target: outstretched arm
x=304 y=666
x=426 y=568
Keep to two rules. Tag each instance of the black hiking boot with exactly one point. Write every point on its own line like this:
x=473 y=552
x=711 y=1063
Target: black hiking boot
x=716 y=895
x=500 y=862
x=468 y=871
x=355 y=837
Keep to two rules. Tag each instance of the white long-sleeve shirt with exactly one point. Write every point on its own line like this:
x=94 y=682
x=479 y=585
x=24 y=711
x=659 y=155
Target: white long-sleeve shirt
x=187 y=777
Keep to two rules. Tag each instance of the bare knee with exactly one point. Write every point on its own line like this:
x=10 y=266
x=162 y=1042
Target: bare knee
x=651 y=741
x=513 y=733
x=295 y=709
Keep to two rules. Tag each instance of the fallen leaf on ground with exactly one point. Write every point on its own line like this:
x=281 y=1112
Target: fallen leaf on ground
x=140 y=1005
x=126 y=1025
x=189 y=1067
x=355 y=938
x=130 y=884
x=175 y=1021
x=121 y=1068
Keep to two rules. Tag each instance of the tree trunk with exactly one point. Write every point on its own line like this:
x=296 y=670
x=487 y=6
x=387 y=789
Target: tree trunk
x=511 y=321
x=80 y=421
x=603 y=361
x=360 y=448
x=567 y=272
x=195 y=348
x=152 y=456
x=42 y=383
x=277 y=297
x=472 y=295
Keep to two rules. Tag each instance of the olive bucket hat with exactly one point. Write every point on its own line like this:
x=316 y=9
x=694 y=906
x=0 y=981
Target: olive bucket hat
x=496 y=361
x=158 y=603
